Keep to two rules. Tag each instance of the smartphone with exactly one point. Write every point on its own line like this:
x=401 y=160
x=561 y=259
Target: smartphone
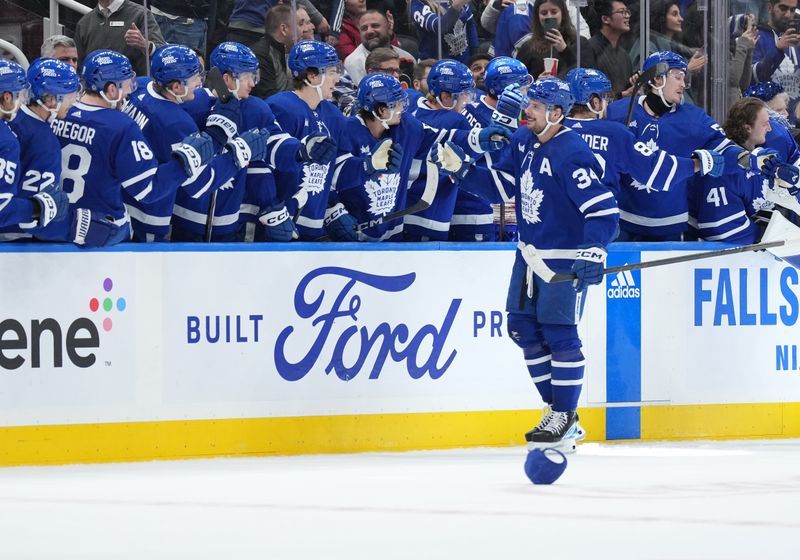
x=215 y=82
x=550 y=23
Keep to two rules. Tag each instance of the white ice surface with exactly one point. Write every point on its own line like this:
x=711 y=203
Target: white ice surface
x=639 y=500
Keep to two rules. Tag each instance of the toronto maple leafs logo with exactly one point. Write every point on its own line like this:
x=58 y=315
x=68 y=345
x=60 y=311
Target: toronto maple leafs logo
x=382 y=193
x=530 y=198
x=652 y=145
x=457 y=40
x=313 y=179
x=365 y=150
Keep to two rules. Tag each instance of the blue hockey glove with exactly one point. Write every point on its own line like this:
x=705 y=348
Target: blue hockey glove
x=711 y=163
x=250 y=146
x=385 y=157
x=223 y=122
x=194 y=152
x=278 y=223
x=509 y=107
x=339 y=224
x=785 y=175
x=89 y=230
x=493 y=138
x=317 y=148
x=756 y=159
x=52 y=205
x=451 y=160
x=588 y=267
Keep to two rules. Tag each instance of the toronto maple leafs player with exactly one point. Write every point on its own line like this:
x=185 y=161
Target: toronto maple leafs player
x=651 y=212
x=473 y=218
x=306 y=113
x=36 y=212
x=381 y=145
x=54 y=87
x=176 y=72
x=735 y=208
x=459 y=32
x=106 y=161
x=566 y=217
x=617 y=150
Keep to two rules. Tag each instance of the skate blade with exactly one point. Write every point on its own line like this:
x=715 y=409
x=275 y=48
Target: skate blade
x=567 y=445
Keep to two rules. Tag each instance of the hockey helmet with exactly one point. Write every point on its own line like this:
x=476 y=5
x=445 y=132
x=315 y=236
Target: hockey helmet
x=105 y=66
x=312 y=54
x=504 y=71
x=586 y=82
x=174 y=63
x=553 y=93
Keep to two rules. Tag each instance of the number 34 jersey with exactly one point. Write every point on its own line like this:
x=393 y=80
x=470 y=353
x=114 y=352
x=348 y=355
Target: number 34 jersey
x=106 y=163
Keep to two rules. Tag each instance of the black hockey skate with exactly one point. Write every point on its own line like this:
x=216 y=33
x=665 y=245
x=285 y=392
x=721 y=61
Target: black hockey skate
x=561 y=432
x=547 y=412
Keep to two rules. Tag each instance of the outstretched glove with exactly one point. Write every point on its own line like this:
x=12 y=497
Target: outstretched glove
x=493 y=138
x=451 y=160
x=50 y=205
x=278 y=223
x=588 y=267
x=785 y=175
x=509 y=107
x=339 y=224
x=194 y=152
x=316 y=148
x=223 y=122
x=711 y=163
x=756 y=159
x=385 y=157
x=250 y=146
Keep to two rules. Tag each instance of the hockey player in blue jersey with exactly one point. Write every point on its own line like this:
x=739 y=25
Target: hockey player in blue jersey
x=54 y=88
x=566 y=217
x=660 y=121
x=473 y=218
x=380 y=146
x=459 y=32
x=32 y=212
x=306 y=113
x=106 y=161
x=617 y=150
x=176 y=72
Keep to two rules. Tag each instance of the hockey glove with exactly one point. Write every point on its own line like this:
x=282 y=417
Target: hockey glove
x=386 y=157
x=509 y=107
x=756 y=159
x=785 y=175
x=316 y=148
x=493 y=138
x=50 y=205
x=339 y=224
x=223 y=122
x=451 y=160
x=278 y=224
x=194 y=152
x=711 y=163
x=250 y=146
x=90 y=231
x=588 y=267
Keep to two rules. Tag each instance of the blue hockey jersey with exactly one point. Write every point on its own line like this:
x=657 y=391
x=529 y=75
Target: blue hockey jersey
x=459 y=30
x=107 y=164
x=662 y=210
x=14 y=210
x=782 y=141
x=561 y=203
x=473 y=218
x=298 y=120
x=512 y=25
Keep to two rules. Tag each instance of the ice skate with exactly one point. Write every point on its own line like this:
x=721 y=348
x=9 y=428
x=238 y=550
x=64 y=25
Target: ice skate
x=547 y=411
x=561 y=432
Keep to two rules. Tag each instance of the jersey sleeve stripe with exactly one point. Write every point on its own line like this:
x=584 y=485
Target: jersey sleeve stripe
x=672 y=172
x=592 y=201
x=144 y=175
x=723 y=221
x=144 y=192
x=599 y=213
x=205 y=187
x=728 y=233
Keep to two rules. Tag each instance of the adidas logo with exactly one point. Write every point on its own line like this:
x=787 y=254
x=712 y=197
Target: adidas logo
x=576 y=125
x=76 y=114
x=623 y=286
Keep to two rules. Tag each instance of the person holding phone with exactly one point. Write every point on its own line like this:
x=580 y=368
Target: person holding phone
x=552 y=39
x=776 y=55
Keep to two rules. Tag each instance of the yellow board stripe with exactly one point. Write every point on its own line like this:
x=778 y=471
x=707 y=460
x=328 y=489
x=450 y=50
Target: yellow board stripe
x=141 y=441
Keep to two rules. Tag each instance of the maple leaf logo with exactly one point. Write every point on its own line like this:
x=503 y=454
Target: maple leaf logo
x=530 y=198
x=314 y=175
x=457 y=40
x=382 y=193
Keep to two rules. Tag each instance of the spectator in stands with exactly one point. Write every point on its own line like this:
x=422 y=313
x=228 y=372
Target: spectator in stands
x=374 y=29
x=604 y=51
x=184 y=22
x=246 y=23
x=349 y=35
x=477 y=64
x=558 y=42
x=744 y=36
x=119 y=25
x=453 y=19
x=420 y=81
x=272 y=48
x=509 y=26
x=776 y=53
x=61 y=48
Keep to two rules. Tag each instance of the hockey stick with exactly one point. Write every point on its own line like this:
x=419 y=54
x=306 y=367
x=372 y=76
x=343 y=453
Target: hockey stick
x=540 y=268
x=431 y=186
x=657 y=70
